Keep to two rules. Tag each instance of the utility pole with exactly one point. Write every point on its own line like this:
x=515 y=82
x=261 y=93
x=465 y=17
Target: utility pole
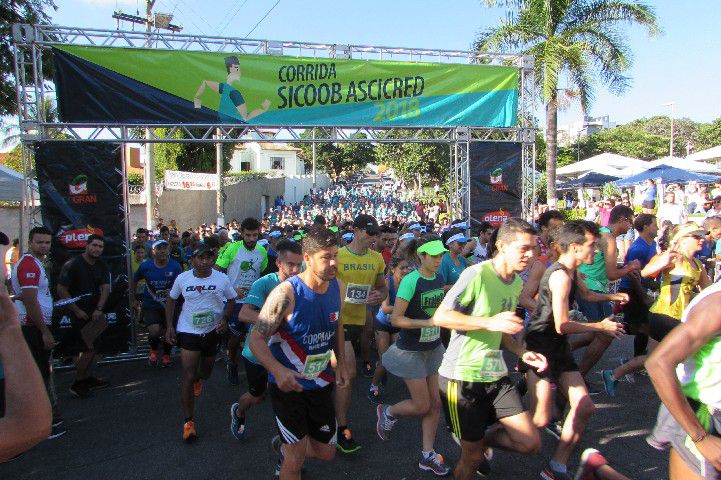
x=314 y=180
x=159 y=21
x=671 y=104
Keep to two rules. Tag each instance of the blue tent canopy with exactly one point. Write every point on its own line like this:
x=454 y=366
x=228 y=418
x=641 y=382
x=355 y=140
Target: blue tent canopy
x=591 y=179
x=667 y=174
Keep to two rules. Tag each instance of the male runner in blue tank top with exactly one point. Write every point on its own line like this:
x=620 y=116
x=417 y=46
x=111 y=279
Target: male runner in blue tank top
x=297 y=331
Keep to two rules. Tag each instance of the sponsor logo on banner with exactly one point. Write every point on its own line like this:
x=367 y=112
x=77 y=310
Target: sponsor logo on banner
x=175 y=180
x=78 y=190
x=497 y=184
x=77 y=238
x=496 y=218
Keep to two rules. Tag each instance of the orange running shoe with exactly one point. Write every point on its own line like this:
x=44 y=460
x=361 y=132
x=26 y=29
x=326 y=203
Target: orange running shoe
x=153 y=358
x=198 y=387
x=189 y=434
x=166 y=361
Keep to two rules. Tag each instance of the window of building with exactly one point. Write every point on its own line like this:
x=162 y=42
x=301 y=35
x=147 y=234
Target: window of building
x=277 y=163
x=245 y=166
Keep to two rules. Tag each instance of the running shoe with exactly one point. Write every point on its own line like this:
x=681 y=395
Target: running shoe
x=549 y=473
x=237 y=424
x=80 y=390
x=153 y=358
x=484 y=469
x=374 y=395
x=593 y=389
x=94 y=383
x=368 y=369
x=554 y=429
x=57 y=431
x=197 y=387
x=166 y=361
x=591 y=460
x=189 y=434
x=346 y=443
x=385 y=423
x=231 y=369
x=434 y=463
x=277 y=445
x=629 y=377
x=609 y=383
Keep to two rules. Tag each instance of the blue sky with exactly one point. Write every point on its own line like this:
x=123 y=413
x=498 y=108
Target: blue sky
x=682 y=65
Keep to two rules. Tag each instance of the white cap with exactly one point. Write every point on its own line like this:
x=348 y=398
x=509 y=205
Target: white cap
x=458 y=237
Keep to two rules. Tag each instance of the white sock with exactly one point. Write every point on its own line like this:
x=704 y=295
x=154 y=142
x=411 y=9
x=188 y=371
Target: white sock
x=428 y=455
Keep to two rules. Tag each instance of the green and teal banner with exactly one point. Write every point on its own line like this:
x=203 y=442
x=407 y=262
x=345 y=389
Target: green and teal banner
x=138 y=86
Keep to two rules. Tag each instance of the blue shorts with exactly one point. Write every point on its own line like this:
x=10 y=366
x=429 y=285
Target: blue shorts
x=235 y=326
x=594 y=311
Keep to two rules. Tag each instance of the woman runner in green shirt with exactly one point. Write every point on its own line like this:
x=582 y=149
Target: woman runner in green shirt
x=418 y=352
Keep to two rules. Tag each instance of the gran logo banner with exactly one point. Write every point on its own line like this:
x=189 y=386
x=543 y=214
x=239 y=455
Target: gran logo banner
x=119 y=85
x=496 y=182
x=81 y=193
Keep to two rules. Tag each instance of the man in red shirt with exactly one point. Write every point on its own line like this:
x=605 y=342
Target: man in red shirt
x=35 y=311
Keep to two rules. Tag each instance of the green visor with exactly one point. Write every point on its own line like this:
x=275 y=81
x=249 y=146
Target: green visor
x=432 y=248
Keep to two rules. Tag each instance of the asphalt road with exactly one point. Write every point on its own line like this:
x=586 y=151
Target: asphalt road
x=132 y=431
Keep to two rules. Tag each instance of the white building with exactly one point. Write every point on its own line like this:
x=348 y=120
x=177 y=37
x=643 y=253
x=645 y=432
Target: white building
x=569 y=134
x=267 y=157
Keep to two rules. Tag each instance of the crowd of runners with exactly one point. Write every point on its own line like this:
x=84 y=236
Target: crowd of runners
x=301 y=298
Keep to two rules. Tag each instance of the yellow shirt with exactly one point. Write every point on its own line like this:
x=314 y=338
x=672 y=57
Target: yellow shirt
x=677 y=289
x=359 y=273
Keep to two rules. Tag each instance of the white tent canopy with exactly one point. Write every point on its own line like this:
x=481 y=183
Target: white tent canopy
x=606 y=163
x=709 y=155
x=11 y=185
x=685 y=164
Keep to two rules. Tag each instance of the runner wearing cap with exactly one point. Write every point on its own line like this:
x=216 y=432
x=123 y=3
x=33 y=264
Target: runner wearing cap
x=159 y=273
x=683 y=275
x=274 y=237
x=289 y=261
x=547 y=333
x=362 y=272
x=474 y=385
x=386 y=333
x=208 y=296
x=244 y=262
x=452 y=265
x=417 y=354
x=297 y=331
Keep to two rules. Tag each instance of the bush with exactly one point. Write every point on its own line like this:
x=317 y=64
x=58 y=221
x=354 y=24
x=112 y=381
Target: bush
x=135 y=179
x=576 y=214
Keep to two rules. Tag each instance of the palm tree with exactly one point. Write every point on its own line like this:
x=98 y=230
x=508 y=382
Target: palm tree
x=578 y=40
x=10 y=132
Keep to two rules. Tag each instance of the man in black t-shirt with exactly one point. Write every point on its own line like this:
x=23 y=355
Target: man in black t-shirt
x=86 y=274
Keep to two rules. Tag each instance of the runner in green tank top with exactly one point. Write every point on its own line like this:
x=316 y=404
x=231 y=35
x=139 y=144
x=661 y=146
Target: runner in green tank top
x=475 y=388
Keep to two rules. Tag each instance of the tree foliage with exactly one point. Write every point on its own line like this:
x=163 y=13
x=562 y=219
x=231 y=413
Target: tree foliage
x=189 y=157
x=709 y=135
x=338 y=159
x=17 y=11
x=575 y=40
x=409 y=160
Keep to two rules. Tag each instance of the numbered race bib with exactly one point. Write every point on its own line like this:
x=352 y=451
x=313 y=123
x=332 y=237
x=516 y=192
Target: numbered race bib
x=357 y=293
x=315 y=364
x=161 y=296
x=202 y=320
x=430 y=334
x=493 y=365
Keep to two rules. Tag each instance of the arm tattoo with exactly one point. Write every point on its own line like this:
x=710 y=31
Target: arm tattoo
x=273 y=312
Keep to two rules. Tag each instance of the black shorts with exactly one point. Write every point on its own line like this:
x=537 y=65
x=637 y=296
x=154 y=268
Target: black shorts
x=471 y=407
x=299 y=414
x=353 y=334
x=257 y=377
x=660 y=325
x=77 y=340
x=558 y=353
x=153 y=316
x=383 y=327
x=235 y=326
x=34 y=339
x=635 y=312
x=206 y=344
x=648 y=204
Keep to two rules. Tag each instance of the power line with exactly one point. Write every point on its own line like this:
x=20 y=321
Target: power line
x=266 y=14
x=230 y=19
x=198 y=15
